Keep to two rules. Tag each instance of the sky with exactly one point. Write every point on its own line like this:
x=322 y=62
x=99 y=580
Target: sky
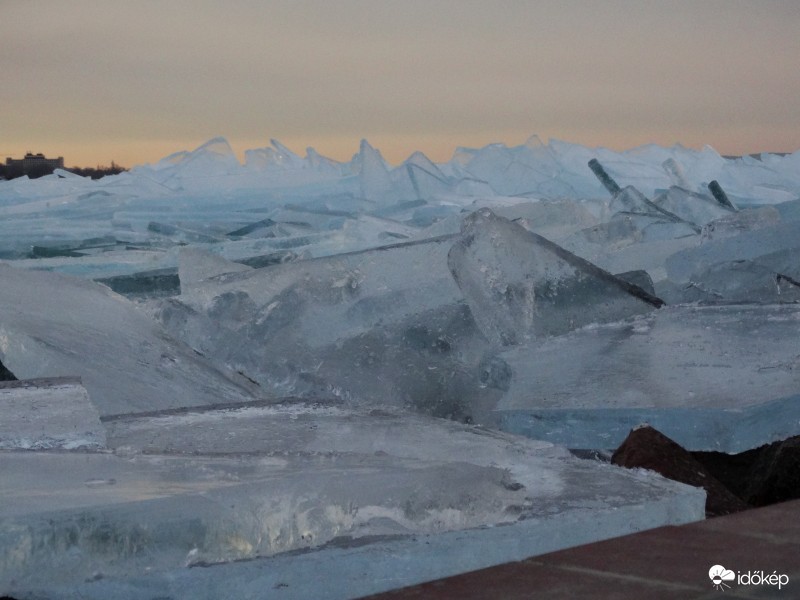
x=96 y=81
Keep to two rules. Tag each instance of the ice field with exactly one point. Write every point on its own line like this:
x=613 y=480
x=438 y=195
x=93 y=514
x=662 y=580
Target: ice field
x=235 y=373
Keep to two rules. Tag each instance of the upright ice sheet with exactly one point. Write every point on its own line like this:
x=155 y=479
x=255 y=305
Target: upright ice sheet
x=519 y=285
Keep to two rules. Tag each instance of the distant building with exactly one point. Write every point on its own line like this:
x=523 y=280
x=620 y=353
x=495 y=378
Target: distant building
x=33 y=165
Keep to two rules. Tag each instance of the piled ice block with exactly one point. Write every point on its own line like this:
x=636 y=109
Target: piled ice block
x=293 y=325
x=196 y=489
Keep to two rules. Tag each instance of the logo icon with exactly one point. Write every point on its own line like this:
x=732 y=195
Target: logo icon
x=719 y=575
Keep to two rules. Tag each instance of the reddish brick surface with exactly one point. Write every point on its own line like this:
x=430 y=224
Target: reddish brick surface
x=663 y=563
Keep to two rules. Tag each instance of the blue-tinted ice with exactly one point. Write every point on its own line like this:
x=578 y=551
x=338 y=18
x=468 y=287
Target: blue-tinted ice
x=478 y=289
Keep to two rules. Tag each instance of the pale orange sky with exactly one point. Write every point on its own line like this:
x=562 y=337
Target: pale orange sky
x=134 y=81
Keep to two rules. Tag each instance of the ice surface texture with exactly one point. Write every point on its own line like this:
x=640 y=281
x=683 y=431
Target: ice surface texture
x=54 y=325
x=450 y=289
x=48 y=413
x=403 y=315
x=519 y=285
x=711 y=378
x=387 y=325
x=214 y=486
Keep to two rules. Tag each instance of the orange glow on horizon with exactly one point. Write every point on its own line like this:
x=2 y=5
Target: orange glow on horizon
x=134 y=82
x=395 y=149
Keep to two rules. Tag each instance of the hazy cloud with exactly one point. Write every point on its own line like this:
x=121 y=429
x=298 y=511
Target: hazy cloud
x=81 y=74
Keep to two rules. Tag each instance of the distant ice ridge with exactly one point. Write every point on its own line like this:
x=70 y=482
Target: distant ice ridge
x=206 y=195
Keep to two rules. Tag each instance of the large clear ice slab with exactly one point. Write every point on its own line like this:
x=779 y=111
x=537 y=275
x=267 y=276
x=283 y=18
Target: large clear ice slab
x=712 y=378
x=53 y=325
x=346 y=294
x=280 y=483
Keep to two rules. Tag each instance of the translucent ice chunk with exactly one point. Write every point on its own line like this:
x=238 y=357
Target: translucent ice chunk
x=54 y=325
x=195 y=265
x=553 y=220
x=323 y=164
x=285 y=157
x=520 y=285
x=376 y=183
x=630 y=201
x=215 y=157
x=745 y=246
x=691 y=207
x=354 y=325
x=530 y=169
x=712 y=378
x=742 y=221
x=426 y=178
x=743 y=281
x=675 y=172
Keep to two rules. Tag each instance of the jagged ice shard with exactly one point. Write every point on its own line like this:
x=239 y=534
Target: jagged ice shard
x=265 y=383
x=519 y=285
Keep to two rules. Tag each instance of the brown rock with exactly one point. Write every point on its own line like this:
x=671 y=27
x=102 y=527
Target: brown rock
x=732 y=470
x=648 y=448
x=761 y=476
x=775 y=476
